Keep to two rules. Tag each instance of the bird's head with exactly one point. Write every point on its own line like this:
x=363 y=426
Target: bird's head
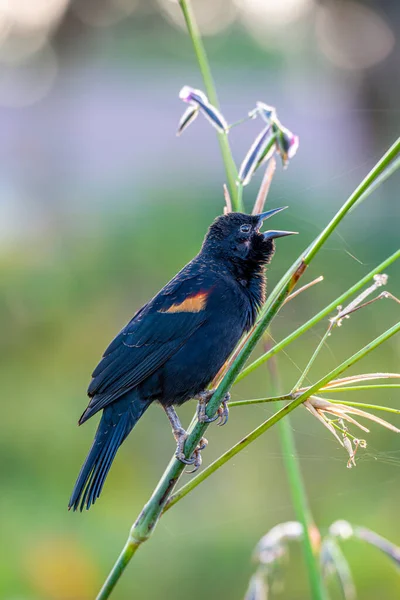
x=237 y=239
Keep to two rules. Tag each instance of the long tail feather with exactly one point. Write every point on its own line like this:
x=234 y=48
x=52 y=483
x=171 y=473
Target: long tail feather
x=113 y=429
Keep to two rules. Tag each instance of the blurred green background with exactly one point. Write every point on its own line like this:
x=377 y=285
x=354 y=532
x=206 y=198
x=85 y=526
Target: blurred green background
x=101 y=204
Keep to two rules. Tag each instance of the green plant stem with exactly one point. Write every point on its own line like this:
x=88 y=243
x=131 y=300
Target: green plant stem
x=298 y=492
x=312 y=359
x=252 y=436
x=357 y=388
x=323 y=391
x=362 y=405
x=364 y=189
x=127 y=552
x=201 y=56
x=318 y=317
x=261 y=400
x=388 y=172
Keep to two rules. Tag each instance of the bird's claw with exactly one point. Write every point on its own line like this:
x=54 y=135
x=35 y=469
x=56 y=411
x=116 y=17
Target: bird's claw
x=222 y=412
x=195 y=459
x=197 y=455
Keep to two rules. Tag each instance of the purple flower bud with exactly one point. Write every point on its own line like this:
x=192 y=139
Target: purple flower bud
x=189 y=94
x=199 y=100
x=188 y=117
x=254 y=155
x=286 y=143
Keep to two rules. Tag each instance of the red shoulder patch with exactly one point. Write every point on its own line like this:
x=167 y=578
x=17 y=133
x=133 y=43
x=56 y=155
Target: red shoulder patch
x=192 y=304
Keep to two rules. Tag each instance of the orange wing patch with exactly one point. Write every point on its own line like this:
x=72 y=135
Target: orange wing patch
x=192 y=304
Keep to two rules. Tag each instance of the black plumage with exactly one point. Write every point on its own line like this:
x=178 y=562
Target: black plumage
x=175 y=345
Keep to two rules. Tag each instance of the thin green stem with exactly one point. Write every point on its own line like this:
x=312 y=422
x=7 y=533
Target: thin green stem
x=363 y=190
x=256 y=433
x=298 y=492
x=318 y=317
x=362 y=405
x=388 y=172
x=260 y=400
x=201 y=56
x=240 y=122
x=357 y=388
x=312 y=359
x=327 y=390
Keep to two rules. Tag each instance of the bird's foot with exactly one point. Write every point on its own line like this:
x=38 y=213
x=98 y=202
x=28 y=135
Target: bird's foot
x=197 y=455
x=195 y=460
x=222 y=412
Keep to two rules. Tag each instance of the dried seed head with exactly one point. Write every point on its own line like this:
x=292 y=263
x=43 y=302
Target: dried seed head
x=319 y=407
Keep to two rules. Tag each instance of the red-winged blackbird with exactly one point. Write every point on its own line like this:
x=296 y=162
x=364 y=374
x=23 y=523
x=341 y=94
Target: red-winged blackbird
x=175 y=345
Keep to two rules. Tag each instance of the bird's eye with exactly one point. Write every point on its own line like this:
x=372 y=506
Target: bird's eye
x=245 y=228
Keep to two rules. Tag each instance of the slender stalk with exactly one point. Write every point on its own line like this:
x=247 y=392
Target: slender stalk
x=363 y=190
x=357 y=388
x=318 y=317
x=312 y=359
x=256 y=433
x=261 y=400
x=148 y=518
x=297 y=488
x=328 y=390
x=388 y=172
x=364 y=406
x=201 y=56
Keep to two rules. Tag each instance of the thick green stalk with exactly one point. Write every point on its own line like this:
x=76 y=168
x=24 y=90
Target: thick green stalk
x=298 y=492
x=147 y=520
x=318 y=317
x=199 y=50
x=256 y=433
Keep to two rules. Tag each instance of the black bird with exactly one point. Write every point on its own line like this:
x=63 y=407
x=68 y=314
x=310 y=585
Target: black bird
x=175 y=345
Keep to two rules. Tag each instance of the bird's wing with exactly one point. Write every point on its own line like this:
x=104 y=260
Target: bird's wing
x=154 y=334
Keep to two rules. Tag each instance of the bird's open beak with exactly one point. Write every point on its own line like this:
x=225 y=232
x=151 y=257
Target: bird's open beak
x=270 y=235
x=270 y=213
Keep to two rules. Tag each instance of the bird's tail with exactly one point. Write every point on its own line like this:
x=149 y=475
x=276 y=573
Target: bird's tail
x=117 y=421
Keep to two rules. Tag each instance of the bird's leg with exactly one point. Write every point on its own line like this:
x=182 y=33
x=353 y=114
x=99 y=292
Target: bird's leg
x=180 y=436
x=222 y=412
